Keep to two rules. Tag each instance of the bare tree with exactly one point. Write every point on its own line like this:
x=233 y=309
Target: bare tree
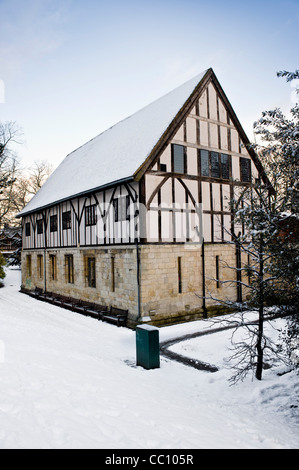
x=24 y=185
x=253 y=278
x=10 y=134
x=38 y=174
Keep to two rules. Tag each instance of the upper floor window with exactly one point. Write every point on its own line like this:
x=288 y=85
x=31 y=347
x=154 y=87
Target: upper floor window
x=27 y=229
x=245 y=169
x=178 y=158
x=90 y=215
x=215 y=165
x=39 y=226
x=204 y=163
x=53 y=223
x=66 y=220
x=121 y=208
x=225 y=166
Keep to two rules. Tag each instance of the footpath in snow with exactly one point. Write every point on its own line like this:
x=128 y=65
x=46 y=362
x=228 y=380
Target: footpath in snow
x=69 y=381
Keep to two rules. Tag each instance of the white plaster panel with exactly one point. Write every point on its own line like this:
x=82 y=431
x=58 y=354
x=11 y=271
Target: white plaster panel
x=235 y=168
x=180 y=193
x=227 y=227
x=222 y=111
x=207 y=227
x=212 y=102
x=204 y=137
x=152 y=225
x=206 y=196
x=217 y=228
x=191 y=130
x=223 y=138
x=216 y=196
x=234 y=141
x=180 y=134
x=226 y=197
x=213 y=135
x=166 y=224
x=165 y=158
x=203 y=111
x=192 y=163
x=166 y=192
x=151 y=182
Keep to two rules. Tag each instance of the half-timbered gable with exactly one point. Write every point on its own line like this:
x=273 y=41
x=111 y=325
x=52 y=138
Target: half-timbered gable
x=140 y=216
x=189 y=184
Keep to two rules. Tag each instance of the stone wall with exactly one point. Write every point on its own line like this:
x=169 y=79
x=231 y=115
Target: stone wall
x=161 y=301
x=115 y=280
x=166 y=295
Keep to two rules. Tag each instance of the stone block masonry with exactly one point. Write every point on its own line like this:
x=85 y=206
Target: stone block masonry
x=170 y=276
x=115 y=275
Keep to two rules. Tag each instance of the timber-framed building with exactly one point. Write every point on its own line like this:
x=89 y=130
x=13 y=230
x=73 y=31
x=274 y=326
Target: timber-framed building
x=122 y=220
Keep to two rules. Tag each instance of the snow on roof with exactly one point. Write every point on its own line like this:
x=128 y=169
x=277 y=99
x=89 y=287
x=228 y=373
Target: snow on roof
x=115 y=154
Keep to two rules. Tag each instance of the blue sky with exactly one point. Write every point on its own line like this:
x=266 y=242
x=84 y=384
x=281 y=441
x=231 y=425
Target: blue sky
x=69 y=69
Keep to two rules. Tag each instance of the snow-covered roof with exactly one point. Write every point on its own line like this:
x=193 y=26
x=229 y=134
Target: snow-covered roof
x=115 y=154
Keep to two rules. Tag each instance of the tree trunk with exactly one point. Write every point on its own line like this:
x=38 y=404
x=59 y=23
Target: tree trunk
x=259 y=346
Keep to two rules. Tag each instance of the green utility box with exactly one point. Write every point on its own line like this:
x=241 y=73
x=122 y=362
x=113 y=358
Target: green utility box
x=147 y=346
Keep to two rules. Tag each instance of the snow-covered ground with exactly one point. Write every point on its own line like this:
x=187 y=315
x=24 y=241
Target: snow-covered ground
x=68 y=381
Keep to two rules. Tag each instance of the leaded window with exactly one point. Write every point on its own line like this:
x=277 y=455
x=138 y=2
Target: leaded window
x=178 y=158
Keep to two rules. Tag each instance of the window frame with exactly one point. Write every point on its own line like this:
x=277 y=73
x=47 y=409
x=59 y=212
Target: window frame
x=206 y=164
x=91 y=280
x=184 y=162
x=53 y=225
x=28 y=266
x=69 y=269
x=215 y=164
x=222 y=166
x=91 y=215
x=53 y=267
x=121 y=206
x=40 y=226
x=66 y=220
x=245 y=177
x=40 y=266
x=204 y=153
x=27 y=229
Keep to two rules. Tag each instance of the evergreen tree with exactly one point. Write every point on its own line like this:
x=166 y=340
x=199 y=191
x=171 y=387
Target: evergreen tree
x=280 y=155
x=269 y=242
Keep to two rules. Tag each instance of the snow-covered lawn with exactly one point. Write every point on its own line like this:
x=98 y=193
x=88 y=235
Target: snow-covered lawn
x=68 y=381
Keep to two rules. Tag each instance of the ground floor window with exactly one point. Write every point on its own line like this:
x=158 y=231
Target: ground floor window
x=28 y=266
x=90 y=271
x=217 y=272
x=40 y=266
x=112 y=273
x=179 y=274
x=69 y=269
x=53 y=267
